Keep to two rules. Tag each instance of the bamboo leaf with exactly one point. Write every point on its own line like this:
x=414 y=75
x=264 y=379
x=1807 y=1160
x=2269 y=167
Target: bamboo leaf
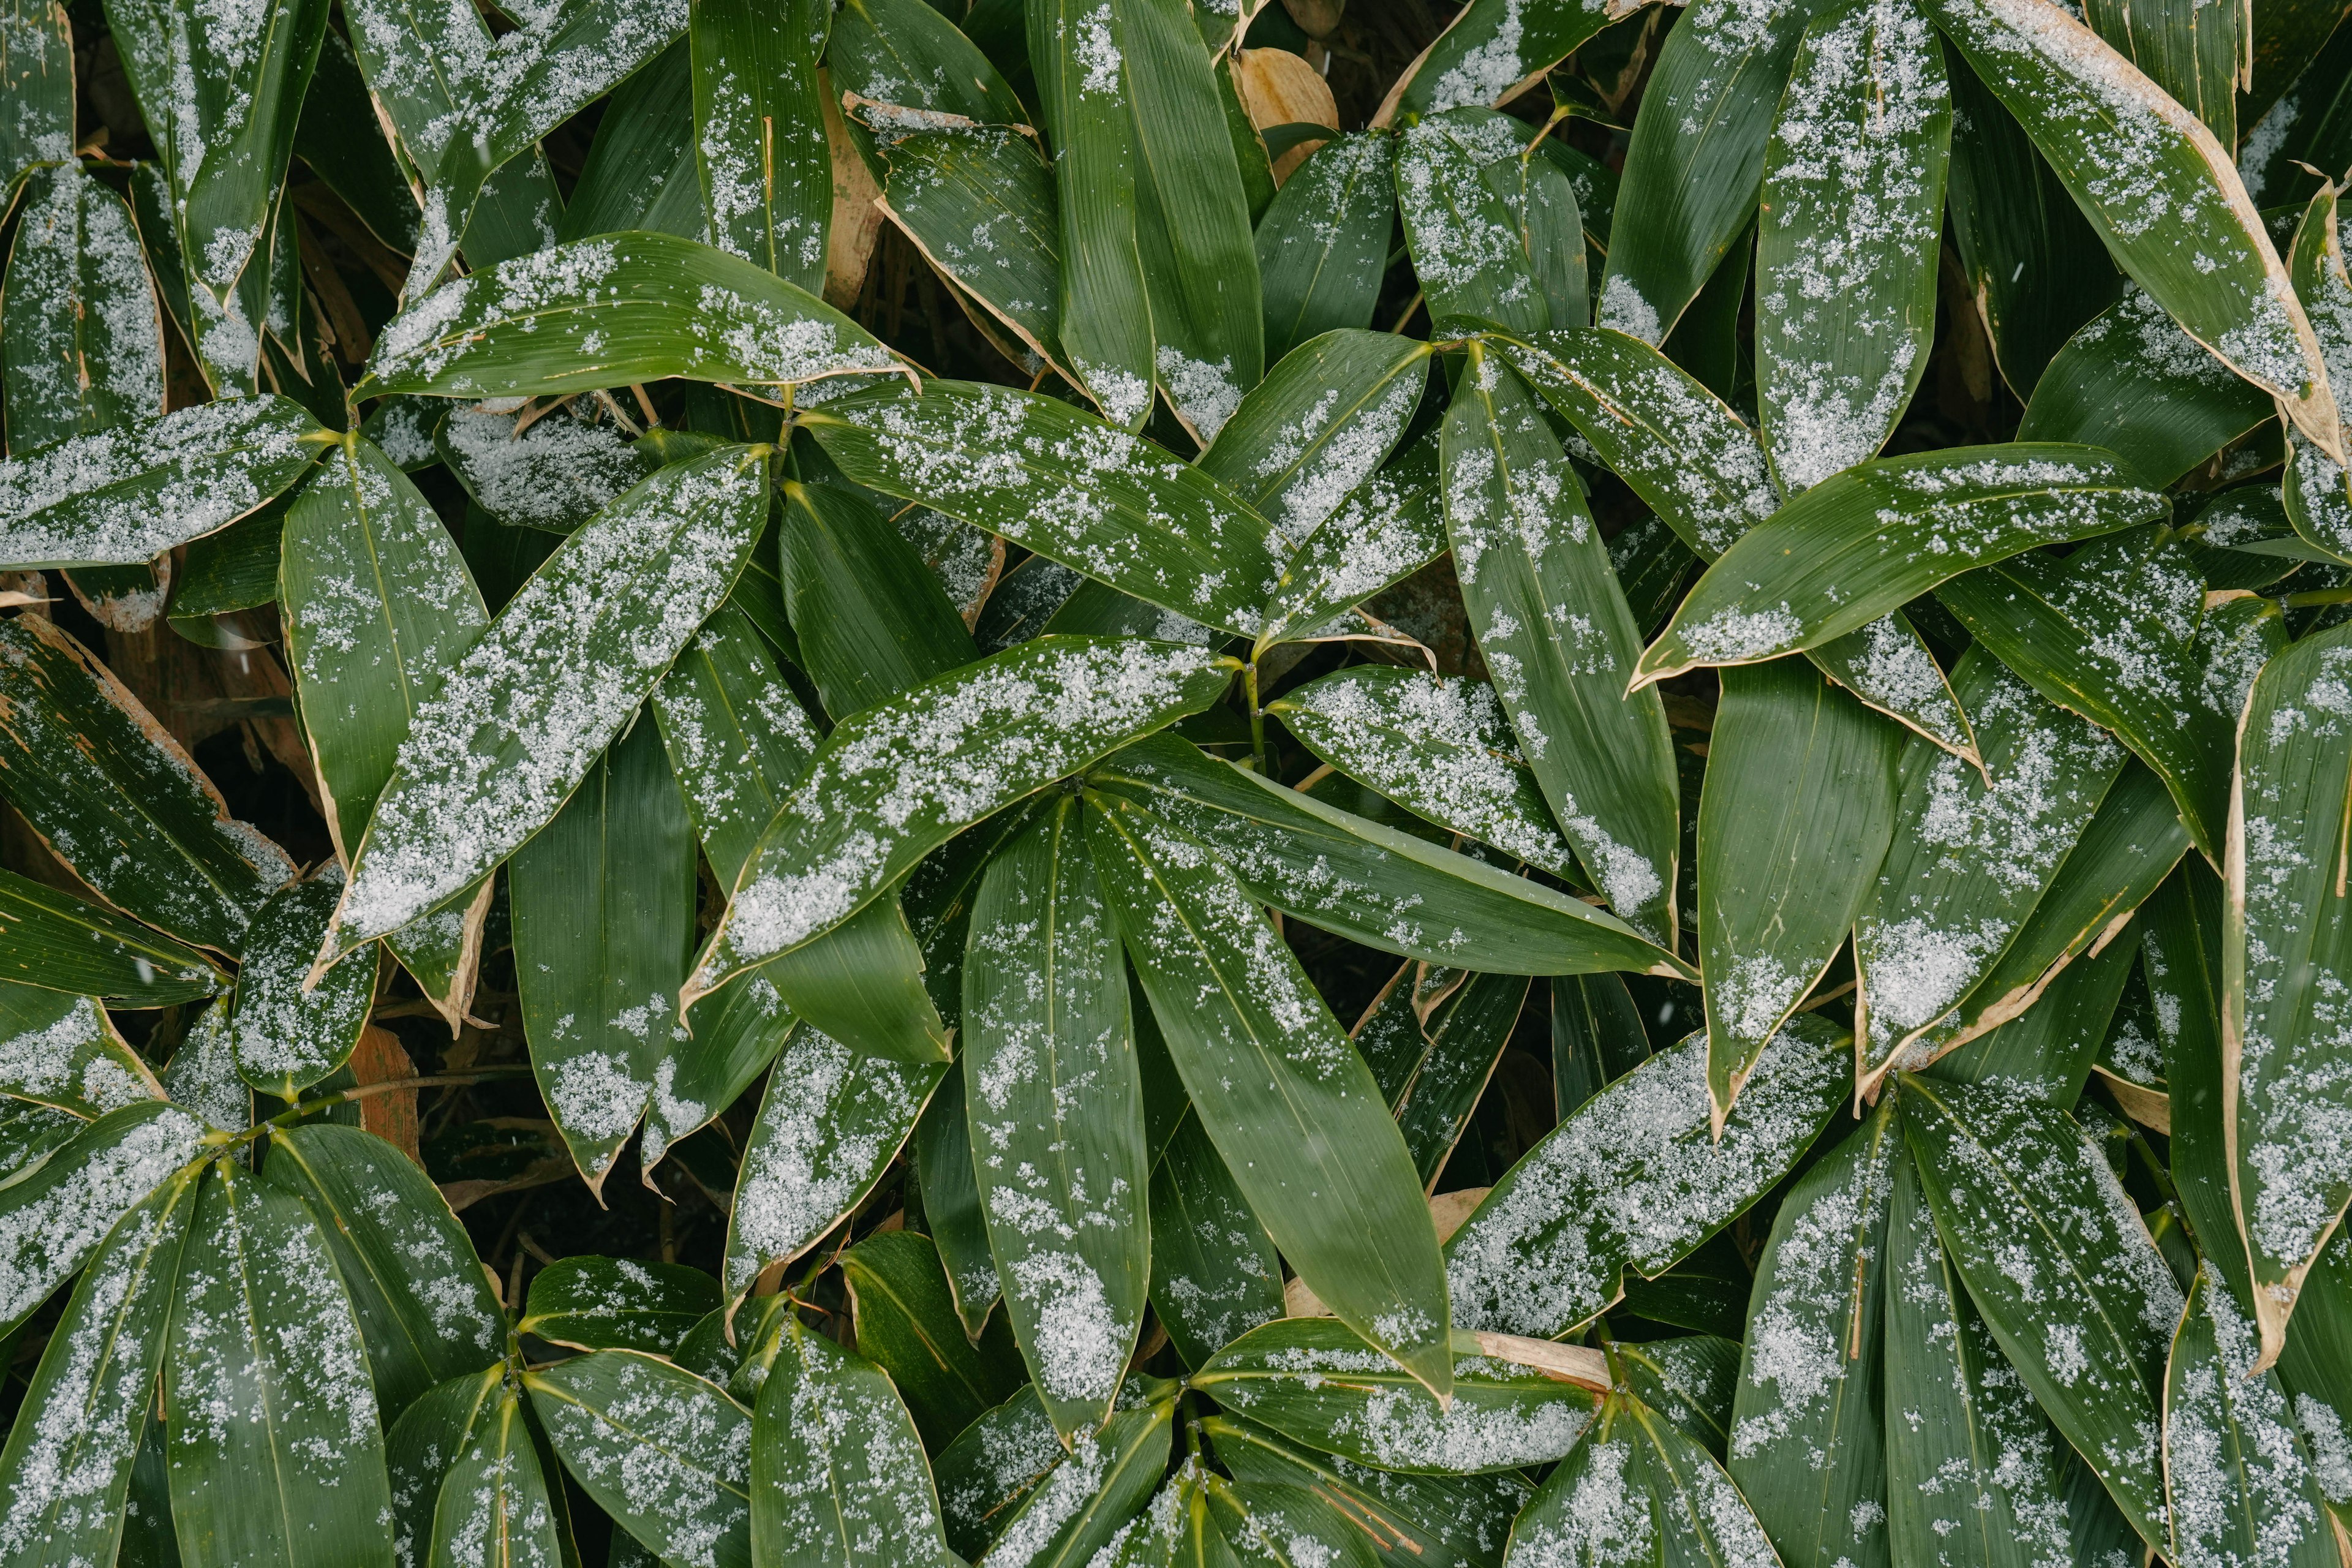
x=39 y=77
x=945 y=755
x=552 y=474
x=837 y=1476
x=287 y=1038
x=1553 y=625
x=2317 y=489
x=905 y=55
x=979 y=203
x=1846 y=246
x=54 y=1217
x=907 y=1325
x=1794 y=821
x=642 y=170
x=339 y=138
x=992 y=1467
x=1058 y=481
x=1468 y=249
x=496 y=1507
x=1384 y=531
x=617 y=1303
x=1087 y=1501
x=767 y=171
x=1215 y=1272
x=871 y=620
x=1882 y=534
x=1634 y=1179
x=51 y=939
x=738 y=738
x=2047 y=1052
x=1324 y=242
x=562 y=668
x=78 y=320
x=951 y=1205
x=1597 y=1037
x=1434 y=1072
x=419 y=1448
x=666 y=1454
x=1316 y=1382
x=1491 y=51
x=61 y=1050
x=1690 y=1382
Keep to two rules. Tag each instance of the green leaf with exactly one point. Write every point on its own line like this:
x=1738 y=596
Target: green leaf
x=419 y=1448
x=1434 y=1069
x=979 y=203
x=872 y=620
x=1080 y=1508
x=2111 y=633
x=563 y=669
x=1316 y=1381
x=738 y=738
x=2180 y=943
x=1846 y=288
x=424 y=1307
x=1596 y=1036
x=1375 y=885
x=79 y=323
x=1696 y=160
x=38 y=78
x=67 y=1469
x=202 y=1075
x=642 y=170
x=1237 y=1011
x=1323 y=244
x=1106 y=312
x=287 y=1038
x=2286 y=933
x=1553 y=624
x=278 y=1455
x=1384 y=531
x=1215 y=1271
x=1971 y=858
x=1442 y=1521
x=1974 y=1471
x=945 y=754
x=53 y=1218
x=51 y=939
x=665 y=1453
x=993 y=1467
x=2057 y=1259
x=1690 y=1382
x=2312 y=1366
x=767 y=170
x=495 y=1506
x=30 y=1133
x=1633 y=1179
x=2126 y=152
x=617 y=1303
x=340 y=139
x=831 y=1123
x=1316 y=429
x=1806 y=1443
x=1467 y=247
x=2131 y=380
x=1491 y=51
x=1282 y=1524
x=2047 y=1052
x=1058 y=481
x=1794 y=821
x=1882 y=534
x=124 y=495
x=2316 y=487
x=906 y=55
x=552 y=474
x=62 y=1050
x=2234 y=1474
x=662 y=307
x=951 y=1206
x=906 y=1324
x=1062 y=1180
x=838 y=1479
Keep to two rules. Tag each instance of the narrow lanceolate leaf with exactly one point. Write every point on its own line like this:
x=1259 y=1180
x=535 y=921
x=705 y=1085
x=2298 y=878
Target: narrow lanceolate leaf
x=2314 y=1368
x=2318 y=488
x=554 y=473
x=1879 y=536
x=417 y=1289
x=1106 y=311
x=2111 y=632
x=979 y=203
x=1062 y=1178
x=2131 y=380
x=1317 y=1382
x=1215 y=1271
x=1634 y=1179
x=838 y=1478
x=1974 y=1471
x=1970 y=858
x=767 y=171
x=1690 y=1382
x=418 y=1450
x=1386 y=889
x=902 y=55
x=992 y=1467
x=61 y=1050
x=497 y=1505
x=490 y=757
x=1552 y=623
x=1319 y=426
x=668 y=1455
x=1078 y=1508
x=1806 y=1445
x=67 y=1469
x=599 y=312
x=1697 y=159
x=1466 y=240
x=2126 y=153
x=943 y=756
x=2237 y=1481
x=1060 y=482
x=51 y=1220
x=123 y=496
x=738 y=738
x=1852 y=213
x=1287 y=1099
x=1324 y=243
x=1281 y=1525
x=377 y=604
x=907 y=1324
x=52 y=940
x=287 y=1038
x=1434 y=1073
x=1441 y=748
x=1389 y=527
x=831 y=1124
x=1794 y=821
x=871 y=621
x=39 y=84
x=2284 y=1075
x=1492 y=49
x=276 y=1456
x=617 y=1303
x=78 y=322
x=2057 y=1259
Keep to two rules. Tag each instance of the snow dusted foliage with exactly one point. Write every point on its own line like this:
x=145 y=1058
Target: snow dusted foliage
x=668 y=1455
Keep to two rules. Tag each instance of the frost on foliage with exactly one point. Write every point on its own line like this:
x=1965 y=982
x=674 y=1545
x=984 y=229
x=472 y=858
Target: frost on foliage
x=1482 y=74
x=2136 y=331
x=1891 y=670
x=842 y=1473
x=1442 y=748
x=52 y=1219
x=668 y=1453
x=85 y=350
x=202 y=1074
x=61 y=1049
x=281 y=1033
x=1633 y=1178
x=490 y=758
x=1640 y=1491
x=1972 y=860
x=944 y=755
x=994 y=1463
x=1466 y=249
x=1592 y=1516
x=1384 y=531
x=1065 y=1489
x=750 y=165
x=1223 y=1302
x=832 y=1120
x=2242 y=1491
x=1203 y=396
x=493 y=1506
x=1854 y=214
x=966 y=560
x=1325 y=456
x=555 y=473
x=123 y=497
x=384 y=1192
